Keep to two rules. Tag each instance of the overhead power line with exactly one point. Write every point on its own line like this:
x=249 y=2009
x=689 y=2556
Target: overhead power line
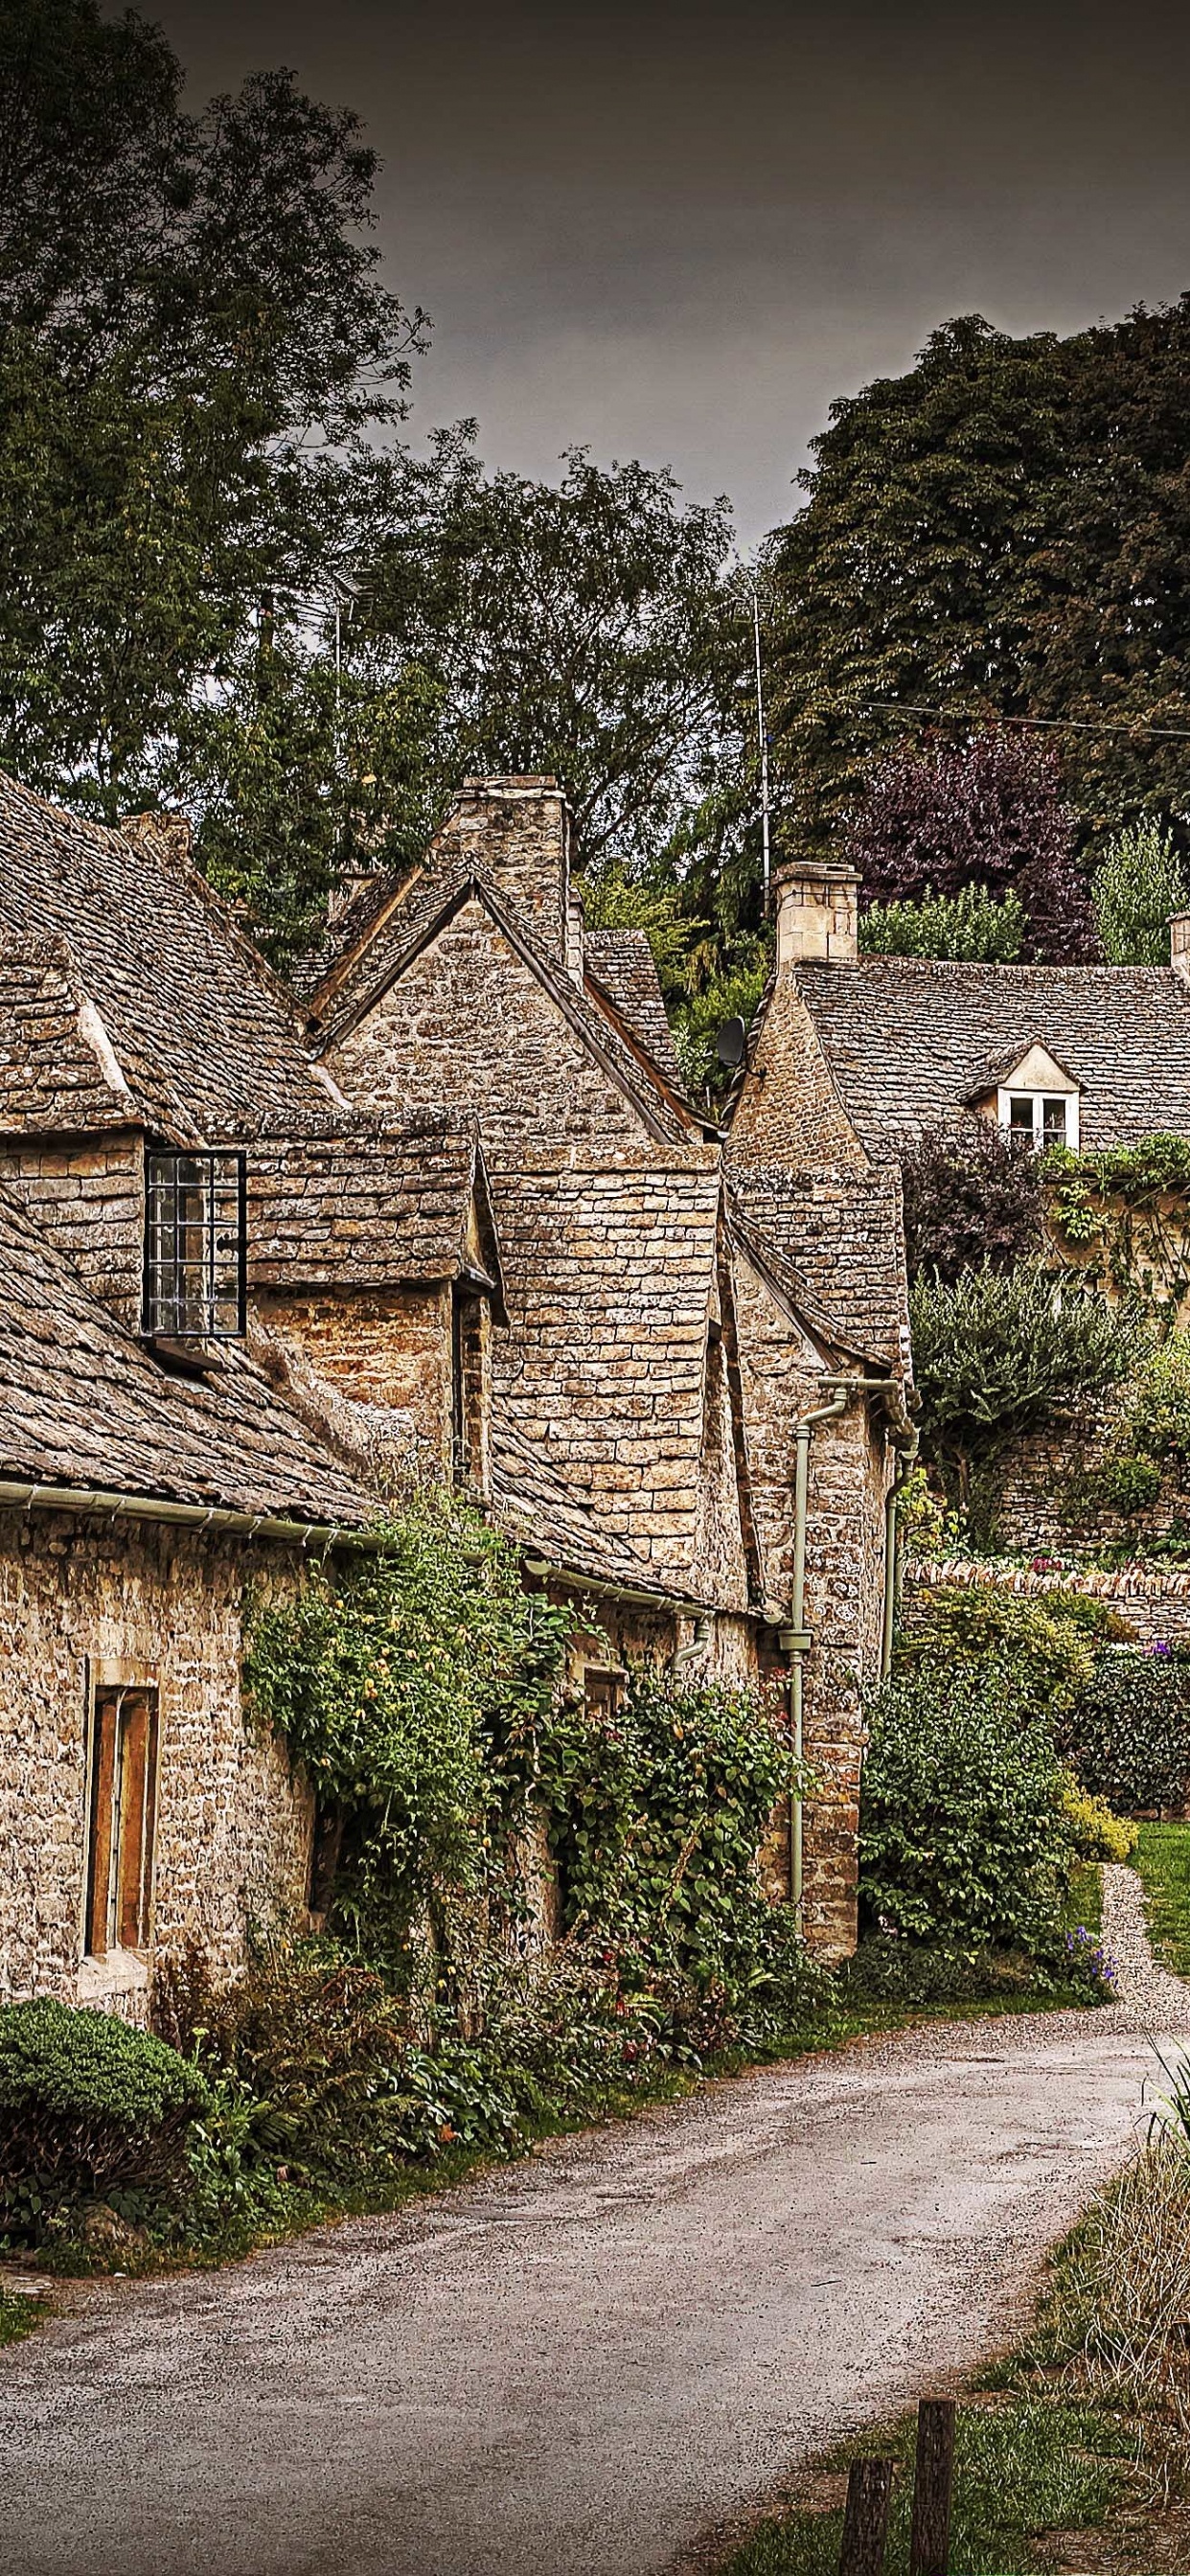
x=1037 y=724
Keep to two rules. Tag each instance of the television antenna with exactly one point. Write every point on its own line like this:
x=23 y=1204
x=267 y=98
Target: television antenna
x=763 y=743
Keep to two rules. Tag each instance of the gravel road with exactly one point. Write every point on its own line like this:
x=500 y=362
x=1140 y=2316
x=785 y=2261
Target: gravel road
x=578 y=2366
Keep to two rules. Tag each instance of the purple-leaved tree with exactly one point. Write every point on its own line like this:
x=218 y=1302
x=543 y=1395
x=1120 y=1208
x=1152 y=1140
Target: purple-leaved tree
x=991 y=811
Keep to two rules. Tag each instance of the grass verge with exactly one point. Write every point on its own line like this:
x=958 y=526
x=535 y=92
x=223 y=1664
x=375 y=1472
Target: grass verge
x=19 y=2314
x=1162 y=1858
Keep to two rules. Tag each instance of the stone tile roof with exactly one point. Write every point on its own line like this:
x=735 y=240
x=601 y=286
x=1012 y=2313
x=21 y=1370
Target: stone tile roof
x=205 y=1035
x=368 y=1205
x=421 y=904
x=82 y=1404
x=824 y=1321
x=910 y=1041
x=842 y=1236
x=536 y=1505
x=622 y=962
x=56 y=1071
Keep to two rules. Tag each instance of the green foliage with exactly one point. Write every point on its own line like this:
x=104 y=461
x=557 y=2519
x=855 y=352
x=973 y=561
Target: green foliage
x=411 y=1685
x=913 y=574
x=1139 y=882
x=194 y=344
x=972 y=925
x=1051 y=1641
x=1127 y=1485
x=1157 y=1410
x=1127 y=1738
x=615 y=900
x=996 y=1356
x=1128 y=1207
x=961 y=1836
x=697 y=1023
x=972 y=1194
x=656 y=1818
x=88 y=2106
x=1163 y=1864
x=1094 y=1833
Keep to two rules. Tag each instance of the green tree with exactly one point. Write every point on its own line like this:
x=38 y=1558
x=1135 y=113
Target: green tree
x=1000 y=532
x=972 y=925
x=193 y=340
x=1137 y=885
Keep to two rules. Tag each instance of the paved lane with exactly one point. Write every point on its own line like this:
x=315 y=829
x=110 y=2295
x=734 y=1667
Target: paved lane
x=573 y=2367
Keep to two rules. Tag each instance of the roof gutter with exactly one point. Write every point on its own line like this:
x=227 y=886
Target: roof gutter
x=544 y=1569
x=95 y=1500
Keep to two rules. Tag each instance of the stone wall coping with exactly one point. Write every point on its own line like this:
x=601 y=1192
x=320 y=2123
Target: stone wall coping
x=1114 y=1583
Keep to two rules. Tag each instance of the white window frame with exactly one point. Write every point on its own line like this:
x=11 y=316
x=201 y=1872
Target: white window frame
x=1037 y=1099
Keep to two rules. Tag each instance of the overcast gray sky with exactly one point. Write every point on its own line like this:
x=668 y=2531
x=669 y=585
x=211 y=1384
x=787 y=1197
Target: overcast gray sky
x=677 y=233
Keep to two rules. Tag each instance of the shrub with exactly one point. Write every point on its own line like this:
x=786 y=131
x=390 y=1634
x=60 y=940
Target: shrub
x=1138 y=884
x=1050 y=1642
x=1157 y=1410
x=312 y=2042
x=995 y=1356
x=1128 y=1736
x=972 y=924
x=973 y=1194
x=87 y=2106
x=961 y=1840
x=1094 y=1833
x=1128 y=1484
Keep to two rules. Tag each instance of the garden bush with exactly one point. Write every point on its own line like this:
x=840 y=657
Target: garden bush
x=311 y=2041
x=1127 y=1737
x=997 y=1355
x=89 y=2107
x=983 y=928
x=961 y=1837
x=1050 y=1641
x=973 y=1194
x=1093 y=1831
x=1157 y=1408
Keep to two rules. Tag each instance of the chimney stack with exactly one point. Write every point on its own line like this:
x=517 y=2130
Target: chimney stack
x=1179 y=945
x=519 y=831
x=817 y=913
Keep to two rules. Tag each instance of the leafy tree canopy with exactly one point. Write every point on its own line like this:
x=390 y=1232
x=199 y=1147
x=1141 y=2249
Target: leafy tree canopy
x=933 y=820
x=1000 y=532
x=1137 y=885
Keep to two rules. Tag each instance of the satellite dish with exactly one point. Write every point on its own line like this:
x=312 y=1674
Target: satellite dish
x=731 y=1041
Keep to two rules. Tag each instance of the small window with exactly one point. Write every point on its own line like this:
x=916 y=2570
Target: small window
x=1041 y=1118
x=195 y=1242
x=122 y=1820
x=603 y=1692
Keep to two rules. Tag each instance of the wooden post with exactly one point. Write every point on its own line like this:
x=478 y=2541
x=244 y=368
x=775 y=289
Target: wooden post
x=929 y=2546
x=865 y=2524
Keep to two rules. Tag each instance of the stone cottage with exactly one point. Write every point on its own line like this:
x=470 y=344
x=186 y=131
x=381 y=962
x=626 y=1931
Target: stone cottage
x=852 y=1057
x=449 y=1206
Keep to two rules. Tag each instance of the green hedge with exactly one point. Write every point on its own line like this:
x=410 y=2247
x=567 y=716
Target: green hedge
x=961 y=1840
x=88 y=2106
x=1128 y=1735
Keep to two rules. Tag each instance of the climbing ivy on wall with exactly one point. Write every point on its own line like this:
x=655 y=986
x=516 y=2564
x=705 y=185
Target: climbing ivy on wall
x=410 y=1684
x=1125 y=1211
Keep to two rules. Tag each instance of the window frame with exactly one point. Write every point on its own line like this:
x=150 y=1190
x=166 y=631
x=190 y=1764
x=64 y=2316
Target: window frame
x=123 y=1775
x=165 y=1309
x=1007 y=1095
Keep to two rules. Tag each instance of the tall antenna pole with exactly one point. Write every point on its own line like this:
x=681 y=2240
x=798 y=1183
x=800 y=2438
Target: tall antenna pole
x=762 y=737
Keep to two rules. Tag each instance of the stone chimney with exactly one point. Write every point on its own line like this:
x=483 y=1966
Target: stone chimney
x=817 y=913
x=1179 y=945
x=519 y=832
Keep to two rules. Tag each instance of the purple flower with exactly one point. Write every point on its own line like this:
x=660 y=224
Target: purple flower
x=1159 y=1646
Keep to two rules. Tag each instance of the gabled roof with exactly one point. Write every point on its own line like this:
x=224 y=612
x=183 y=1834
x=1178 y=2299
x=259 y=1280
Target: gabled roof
x=622 y=963
x=908 y=1039
x=843 y=1242
x=58 y=1071
x=204 y=1034
x=370 y=1205
x=790 y=1284
x=428 y=903
x=83 y=1404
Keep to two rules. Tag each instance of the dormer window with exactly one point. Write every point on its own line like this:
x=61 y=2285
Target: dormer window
x=1041 y=1118
x=1037 y=1099
x=195 y=1237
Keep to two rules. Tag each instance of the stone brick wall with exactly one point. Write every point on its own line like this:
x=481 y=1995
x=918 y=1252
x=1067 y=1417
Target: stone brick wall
x=385 y=1346
x=789 y=1110
x=233 y=1827
x=1154 y=1599
x=88 y=1196
x=469 y=1026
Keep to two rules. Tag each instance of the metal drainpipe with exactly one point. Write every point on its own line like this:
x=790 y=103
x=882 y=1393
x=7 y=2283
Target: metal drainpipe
x=906 y=1453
